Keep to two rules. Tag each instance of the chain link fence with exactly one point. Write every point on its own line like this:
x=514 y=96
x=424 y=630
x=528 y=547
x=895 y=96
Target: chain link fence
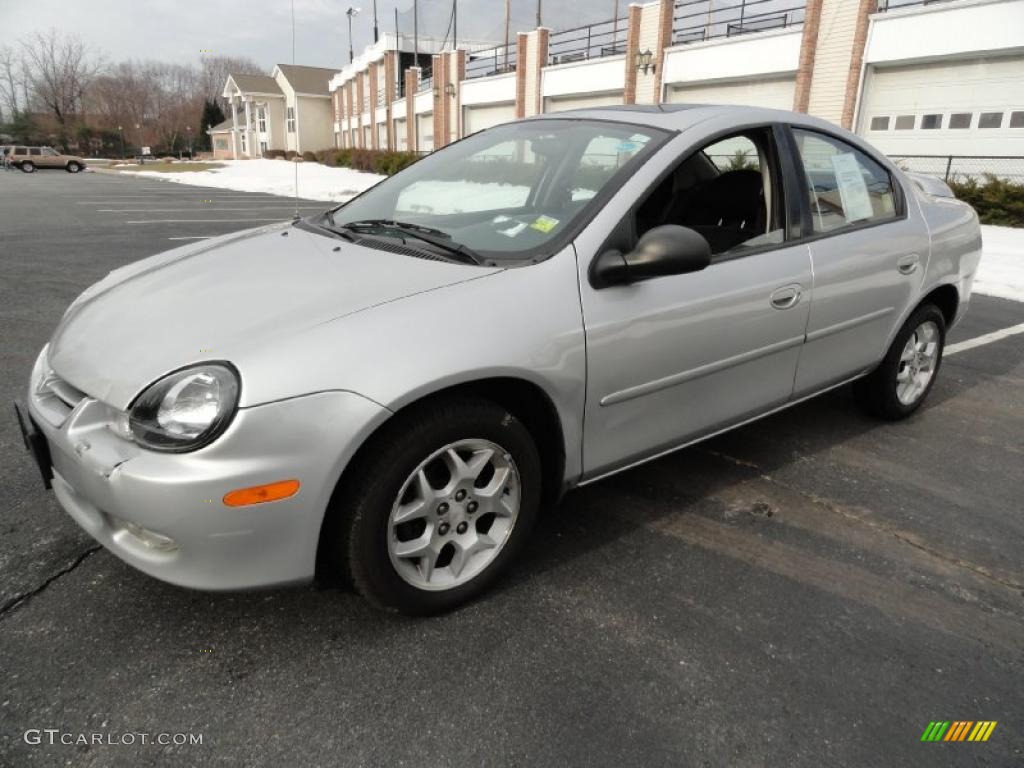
x=963 y=167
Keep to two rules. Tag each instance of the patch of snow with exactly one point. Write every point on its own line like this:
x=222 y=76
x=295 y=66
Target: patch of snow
x=460 y=196
x=276 y=177
x=1001 y=271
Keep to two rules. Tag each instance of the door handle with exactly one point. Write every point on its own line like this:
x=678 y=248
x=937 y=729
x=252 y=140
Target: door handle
x=787 y=296
x=908 y=264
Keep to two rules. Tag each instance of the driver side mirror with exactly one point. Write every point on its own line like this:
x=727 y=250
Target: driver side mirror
x=666 y=250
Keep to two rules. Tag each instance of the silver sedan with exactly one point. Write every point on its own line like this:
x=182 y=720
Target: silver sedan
x=391 y=391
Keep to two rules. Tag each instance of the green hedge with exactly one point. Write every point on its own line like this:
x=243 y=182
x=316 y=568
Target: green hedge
x=996 y=200
x=368 y=160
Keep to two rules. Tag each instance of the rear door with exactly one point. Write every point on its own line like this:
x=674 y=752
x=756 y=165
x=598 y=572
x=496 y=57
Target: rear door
x=50 y=158
x=869 y=251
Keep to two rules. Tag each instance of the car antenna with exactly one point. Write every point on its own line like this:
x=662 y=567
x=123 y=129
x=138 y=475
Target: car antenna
x=295 y=215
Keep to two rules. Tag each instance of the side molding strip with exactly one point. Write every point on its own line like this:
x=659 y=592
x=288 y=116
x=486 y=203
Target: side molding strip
x=696 y=373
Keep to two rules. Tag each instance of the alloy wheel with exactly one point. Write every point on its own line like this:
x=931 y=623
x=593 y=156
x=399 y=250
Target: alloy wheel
x=453 y=515
x=917 y=363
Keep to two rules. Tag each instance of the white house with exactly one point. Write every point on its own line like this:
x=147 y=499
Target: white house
x=289 y=109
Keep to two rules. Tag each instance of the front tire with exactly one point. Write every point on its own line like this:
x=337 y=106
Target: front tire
x=74 y=167
x=441 y=500
x=28 y=167
x=898 y=387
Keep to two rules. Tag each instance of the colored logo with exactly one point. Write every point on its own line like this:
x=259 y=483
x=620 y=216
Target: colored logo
x=958 y=730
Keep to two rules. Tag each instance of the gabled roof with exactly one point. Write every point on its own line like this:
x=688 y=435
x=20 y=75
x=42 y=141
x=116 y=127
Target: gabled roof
x=312 y=80
x=256 y=83
x=227 y=125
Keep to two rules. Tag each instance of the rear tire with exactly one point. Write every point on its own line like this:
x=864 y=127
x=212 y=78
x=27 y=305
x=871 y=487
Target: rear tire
x=900 y=384
x=421 y=532
x=74 y=167
x=28 y=167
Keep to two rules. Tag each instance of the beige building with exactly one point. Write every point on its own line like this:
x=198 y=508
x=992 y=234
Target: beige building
x=289 y=109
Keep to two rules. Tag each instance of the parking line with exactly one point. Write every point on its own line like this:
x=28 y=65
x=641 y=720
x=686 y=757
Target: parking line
x=192 y=237
x=987 y=338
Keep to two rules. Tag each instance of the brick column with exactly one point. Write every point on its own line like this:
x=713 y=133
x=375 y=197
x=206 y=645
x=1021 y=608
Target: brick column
x=412 y=82
x=360 y=104
x=458 y=75
x=632 y=47
x=543 y=37
x=439 y=77
x=808 y=47
x=390 y=65
x=521 y=42
x=860 y=37
x=665 y=10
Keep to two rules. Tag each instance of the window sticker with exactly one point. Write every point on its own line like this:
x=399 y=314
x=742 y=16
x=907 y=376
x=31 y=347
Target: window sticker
x=544 y=224
x=853 y=190
x=639 y=138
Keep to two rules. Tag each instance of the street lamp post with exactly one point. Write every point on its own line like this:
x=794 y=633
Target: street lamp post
x=138 y=127
x=351 y=12
x=120 y=130
x=188 y=130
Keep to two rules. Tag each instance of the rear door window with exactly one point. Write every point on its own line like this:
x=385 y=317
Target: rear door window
x=845 y=186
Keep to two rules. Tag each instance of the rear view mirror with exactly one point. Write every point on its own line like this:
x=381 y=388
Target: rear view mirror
x=666 y=250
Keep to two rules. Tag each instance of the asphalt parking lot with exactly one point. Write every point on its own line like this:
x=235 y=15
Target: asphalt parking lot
x=810 y=590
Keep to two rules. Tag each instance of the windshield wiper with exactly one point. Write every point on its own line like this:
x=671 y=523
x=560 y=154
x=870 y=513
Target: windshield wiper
x=434 y=237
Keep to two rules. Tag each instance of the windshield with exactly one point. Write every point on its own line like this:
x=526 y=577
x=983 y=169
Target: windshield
x=508 y=192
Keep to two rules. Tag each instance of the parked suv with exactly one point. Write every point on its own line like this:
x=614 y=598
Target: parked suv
x=30 y=158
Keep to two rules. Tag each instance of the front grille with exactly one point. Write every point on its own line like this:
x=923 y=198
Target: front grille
x=56 y=399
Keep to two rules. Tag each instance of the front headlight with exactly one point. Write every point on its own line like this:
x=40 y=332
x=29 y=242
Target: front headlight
x=186 y=409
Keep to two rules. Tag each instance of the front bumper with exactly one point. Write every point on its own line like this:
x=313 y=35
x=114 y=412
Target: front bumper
x=163 y=513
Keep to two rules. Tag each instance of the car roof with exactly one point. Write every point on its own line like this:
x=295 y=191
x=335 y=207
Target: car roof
x=681 y=116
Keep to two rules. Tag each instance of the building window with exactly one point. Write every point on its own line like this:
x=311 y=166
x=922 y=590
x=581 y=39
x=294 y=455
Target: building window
x=960 y=120
x=261 y=119
x=290 y=118
x=931 y=122
x=990 y=120
x=879 y=123
x=1017 y=119
x=904 y=122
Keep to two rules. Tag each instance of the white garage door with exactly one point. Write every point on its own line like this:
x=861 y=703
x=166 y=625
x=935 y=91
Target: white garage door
x=774 y=93
x=562 y=103
x=476 y=117
x=946 y=108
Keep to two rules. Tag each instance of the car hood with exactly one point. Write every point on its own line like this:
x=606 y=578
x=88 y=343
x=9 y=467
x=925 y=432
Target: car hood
x=225 y=299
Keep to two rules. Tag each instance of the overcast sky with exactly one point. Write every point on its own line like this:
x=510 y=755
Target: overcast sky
x=180 y=30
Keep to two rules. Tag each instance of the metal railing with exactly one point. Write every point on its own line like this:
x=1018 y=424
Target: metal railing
x=699 y=20
x=963 y=167
x=491 y=61
x=380 y=97
x=593 y=41
x=425 y=84
x=891 y=5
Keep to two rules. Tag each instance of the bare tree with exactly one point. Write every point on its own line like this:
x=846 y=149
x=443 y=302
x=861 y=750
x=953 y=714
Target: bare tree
x=215 y=71
x=60 y=70
x=10 y=81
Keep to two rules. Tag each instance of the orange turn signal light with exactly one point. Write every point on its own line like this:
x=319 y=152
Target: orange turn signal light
x=261 y=493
